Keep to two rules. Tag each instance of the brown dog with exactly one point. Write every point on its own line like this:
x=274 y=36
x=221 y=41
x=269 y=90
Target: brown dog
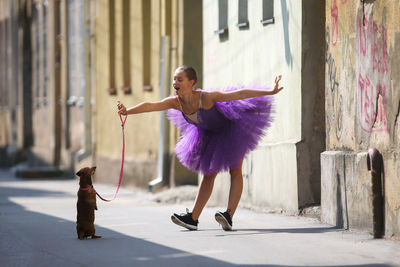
x=86 y=204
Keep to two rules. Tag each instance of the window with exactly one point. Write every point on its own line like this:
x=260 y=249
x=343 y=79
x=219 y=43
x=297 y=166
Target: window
x=268 y=12
x=243 y=20
x=3 y=58
x=146 y=31
x=44 y=47
x=222 y=17
x=79 y=39
x=125 y=47
x=111 y=68
x=37 y=62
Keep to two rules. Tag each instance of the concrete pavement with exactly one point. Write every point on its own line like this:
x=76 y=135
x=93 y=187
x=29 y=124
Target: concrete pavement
x=37 y=228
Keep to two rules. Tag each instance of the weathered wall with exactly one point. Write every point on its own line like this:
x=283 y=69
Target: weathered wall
x=272 y=175
x=5 y=126
x=313 y=102
x=10 y=82
x=362 y=106
x=29 y=88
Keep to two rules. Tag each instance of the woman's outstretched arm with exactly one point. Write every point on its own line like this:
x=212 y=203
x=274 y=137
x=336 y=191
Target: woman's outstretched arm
x=217 y=96
x=164 y=104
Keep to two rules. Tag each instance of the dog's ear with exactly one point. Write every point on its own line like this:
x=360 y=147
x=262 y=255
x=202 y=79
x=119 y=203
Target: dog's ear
x=93 y=170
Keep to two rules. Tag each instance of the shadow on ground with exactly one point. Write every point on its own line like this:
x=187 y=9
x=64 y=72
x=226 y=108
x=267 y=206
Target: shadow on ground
x=30 y=238
x=258 y=231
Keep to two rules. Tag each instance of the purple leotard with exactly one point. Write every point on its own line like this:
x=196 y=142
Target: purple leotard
x=224 y=134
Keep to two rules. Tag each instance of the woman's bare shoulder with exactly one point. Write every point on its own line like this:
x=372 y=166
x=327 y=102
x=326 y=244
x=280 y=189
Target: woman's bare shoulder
x=207 y=99
x=173 y=102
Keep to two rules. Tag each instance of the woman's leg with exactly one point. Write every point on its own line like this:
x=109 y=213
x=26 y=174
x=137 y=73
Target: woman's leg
x=203 y=194
x=236 y=188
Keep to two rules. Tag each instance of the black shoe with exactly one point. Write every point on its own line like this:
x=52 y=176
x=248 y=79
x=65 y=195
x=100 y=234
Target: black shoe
x=185 y=220
x=224 y=219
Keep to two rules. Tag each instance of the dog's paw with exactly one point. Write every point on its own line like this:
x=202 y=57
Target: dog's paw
x=96 y=236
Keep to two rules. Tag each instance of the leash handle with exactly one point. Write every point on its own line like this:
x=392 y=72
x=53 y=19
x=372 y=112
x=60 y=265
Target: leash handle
x=122 y=161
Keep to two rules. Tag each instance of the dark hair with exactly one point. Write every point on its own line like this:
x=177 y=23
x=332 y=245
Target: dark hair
x=190 y=72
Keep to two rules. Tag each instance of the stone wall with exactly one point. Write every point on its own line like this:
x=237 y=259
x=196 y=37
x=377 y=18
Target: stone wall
x=362 y=109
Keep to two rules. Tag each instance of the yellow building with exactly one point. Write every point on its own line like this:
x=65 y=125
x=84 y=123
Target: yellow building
x=137 y=45
x=66 y=63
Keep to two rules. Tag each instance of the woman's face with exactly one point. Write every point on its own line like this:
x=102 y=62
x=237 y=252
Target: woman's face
x=181 y=82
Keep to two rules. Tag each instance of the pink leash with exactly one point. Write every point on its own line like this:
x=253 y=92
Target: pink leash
x=122 y=163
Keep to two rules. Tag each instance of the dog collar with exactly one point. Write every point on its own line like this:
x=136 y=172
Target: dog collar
x=86 y=188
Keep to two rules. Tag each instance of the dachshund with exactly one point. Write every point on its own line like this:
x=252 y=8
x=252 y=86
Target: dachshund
x=86 y=204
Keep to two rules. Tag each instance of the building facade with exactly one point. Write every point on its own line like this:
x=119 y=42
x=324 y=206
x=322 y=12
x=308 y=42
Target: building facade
x=28 y=81
x=253 y=42
x=66 y=63
x=138 y=45
x=44 y=92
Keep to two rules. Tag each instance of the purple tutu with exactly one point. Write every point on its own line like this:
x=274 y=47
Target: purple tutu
x=224 y=134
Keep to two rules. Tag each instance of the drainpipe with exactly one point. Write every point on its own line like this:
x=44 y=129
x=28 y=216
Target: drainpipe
x=375 y=165
x=163 y=138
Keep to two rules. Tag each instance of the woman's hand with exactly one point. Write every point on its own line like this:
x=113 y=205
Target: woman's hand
x=121 y=109
x=277 y=89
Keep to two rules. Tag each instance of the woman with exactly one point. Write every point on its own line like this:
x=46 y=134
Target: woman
x=218 y=128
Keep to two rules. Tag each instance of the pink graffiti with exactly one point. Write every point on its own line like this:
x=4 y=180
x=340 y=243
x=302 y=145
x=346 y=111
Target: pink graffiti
x=374 y=47
x=368 y=32
x=384 y=60
x=334 y=22
x=371 y=102
x=365 y=96
x=371 y=97
x=363 y=38
x=379 y=63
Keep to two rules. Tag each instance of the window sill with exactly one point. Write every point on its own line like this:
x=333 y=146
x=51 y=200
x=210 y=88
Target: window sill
x=221 y=31
x=147 y=88
x=267 y=21
x=243 y=24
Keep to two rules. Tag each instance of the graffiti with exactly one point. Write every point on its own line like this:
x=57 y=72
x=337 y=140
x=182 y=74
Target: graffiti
x=339 y=112
x=372 y=102
x=372 y=68
x=369 y=38
x=334 y=22
x=366 y=107
x=330 y=62
x=333 y=84
x=379 y=54
x=363 y=38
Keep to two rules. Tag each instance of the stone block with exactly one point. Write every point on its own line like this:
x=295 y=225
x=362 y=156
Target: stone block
x=346 y=190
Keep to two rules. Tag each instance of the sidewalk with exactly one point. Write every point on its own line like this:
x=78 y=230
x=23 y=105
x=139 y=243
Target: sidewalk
x=37 y=228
